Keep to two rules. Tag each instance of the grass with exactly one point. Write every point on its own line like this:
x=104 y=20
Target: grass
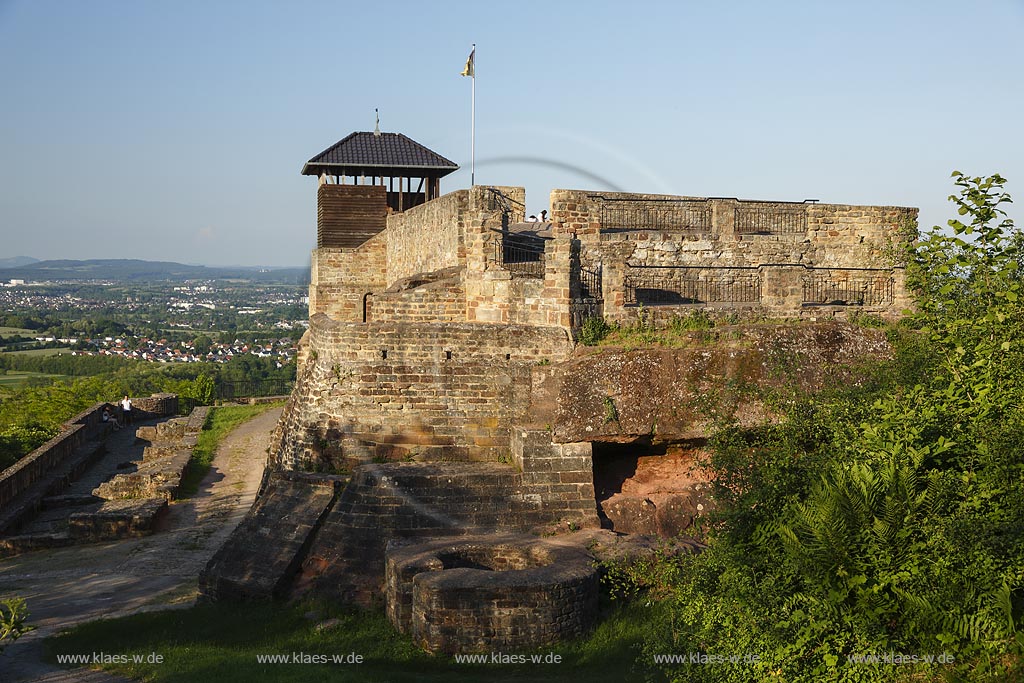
x=220 y=421
x=42 y=352
x=20 y=331
x=696 y=328
x=15 y=378
x=220 y=642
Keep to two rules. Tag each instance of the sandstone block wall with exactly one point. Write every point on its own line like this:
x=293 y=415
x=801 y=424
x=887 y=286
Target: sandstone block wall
x=559 y=477
x=87 y=425
x=443 y=301
x=428 y=237
x=778 y=258
x=417 y=390
x=415 y=500
x=488 y=593
x=340 y=278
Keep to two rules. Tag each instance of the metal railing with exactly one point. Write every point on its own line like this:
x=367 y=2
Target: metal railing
x=511 y=209
x=682 y=285
x=521 y=255
x=760 y=220
x=254 y=388
x=856 y=289
x=668 y=215
x=586 y=283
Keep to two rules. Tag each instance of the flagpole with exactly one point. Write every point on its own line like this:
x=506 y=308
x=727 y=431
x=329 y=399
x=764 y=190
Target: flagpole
x=472 y=125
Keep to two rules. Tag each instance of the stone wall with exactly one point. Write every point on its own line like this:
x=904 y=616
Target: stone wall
x=24 y=484
x=491 y=593
x=419 y=390
x=83 y=427
x=440 y=301
x=429 y=237
x=340 y=279
x=414 y=500
x=786 y=259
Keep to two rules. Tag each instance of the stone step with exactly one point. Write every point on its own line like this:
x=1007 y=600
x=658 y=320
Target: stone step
x=116 y=519
x=70 y=500
x=157 y=477
x=23 y=543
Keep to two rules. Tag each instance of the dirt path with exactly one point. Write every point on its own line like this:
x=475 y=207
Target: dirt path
x=67 y=586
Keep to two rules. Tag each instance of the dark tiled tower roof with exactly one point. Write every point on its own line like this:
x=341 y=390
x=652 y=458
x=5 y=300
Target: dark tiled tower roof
x=384 y=154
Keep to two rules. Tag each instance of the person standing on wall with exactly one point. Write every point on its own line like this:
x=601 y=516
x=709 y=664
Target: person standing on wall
x=126 y=410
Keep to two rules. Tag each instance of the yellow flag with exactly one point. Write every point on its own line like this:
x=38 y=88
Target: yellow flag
x=470 y=68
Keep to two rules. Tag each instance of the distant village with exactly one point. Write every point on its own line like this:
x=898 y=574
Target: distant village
x=192 y=322
x=163 y=351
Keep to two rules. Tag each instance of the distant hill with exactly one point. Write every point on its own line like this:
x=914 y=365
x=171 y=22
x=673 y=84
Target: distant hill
x=135 y=270
x=16 y=261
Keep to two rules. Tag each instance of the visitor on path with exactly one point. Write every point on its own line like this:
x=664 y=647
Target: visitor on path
x=544 y=216
x=126 y=410
x=108 y=416
x=531 y=219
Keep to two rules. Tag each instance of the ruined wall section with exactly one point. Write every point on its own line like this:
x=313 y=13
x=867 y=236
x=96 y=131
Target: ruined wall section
x=499 y=294
x=402 y=390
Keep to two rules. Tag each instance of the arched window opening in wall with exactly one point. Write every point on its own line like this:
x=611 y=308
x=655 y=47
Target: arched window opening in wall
x=367 y=306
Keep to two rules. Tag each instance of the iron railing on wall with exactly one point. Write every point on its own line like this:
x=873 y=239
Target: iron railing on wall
x=681 y=285
x=521 y=255
x=849 y=288
x=770 y=220
x=585 y=283
x=511 y=209
x=668 y=215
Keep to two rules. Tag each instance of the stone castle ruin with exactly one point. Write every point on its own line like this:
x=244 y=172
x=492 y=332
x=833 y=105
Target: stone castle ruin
x=442 y=401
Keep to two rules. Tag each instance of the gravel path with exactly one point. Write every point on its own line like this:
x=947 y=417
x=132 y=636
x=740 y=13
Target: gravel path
x=67 y=586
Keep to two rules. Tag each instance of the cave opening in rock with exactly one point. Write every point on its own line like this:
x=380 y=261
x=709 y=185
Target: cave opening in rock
x=649 y=486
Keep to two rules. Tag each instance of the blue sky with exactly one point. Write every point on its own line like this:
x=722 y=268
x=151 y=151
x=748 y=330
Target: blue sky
x=177 y=130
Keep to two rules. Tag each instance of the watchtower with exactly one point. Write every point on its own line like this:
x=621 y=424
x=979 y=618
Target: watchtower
x=366 y=176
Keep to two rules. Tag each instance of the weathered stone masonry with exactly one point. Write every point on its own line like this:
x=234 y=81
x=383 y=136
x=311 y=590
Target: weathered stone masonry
x=440 y=371
x=427 y=391
x=774 y=258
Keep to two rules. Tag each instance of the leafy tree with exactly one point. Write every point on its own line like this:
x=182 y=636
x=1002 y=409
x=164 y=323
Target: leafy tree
x=202 y=344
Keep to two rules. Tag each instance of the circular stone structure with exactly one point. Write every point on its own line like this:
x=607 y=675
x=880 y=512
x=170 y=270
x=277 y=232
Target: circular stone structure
x=471 y=594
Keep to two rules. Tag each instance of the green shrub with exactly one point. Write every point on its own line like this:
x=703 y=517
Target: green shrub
x=594 y=329
x=885 y=518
